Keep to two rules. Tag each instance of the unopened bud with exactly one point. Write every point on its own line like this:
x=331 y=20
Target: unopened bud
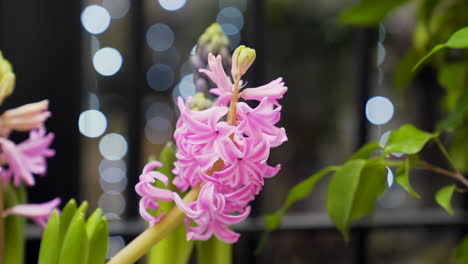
x=7 y=78
x=242 y=58
x=200 y=102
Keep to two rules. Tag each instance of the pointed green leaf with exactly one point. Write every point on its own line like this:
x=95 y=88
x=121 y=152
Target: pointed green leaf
x=298 y=192
x=407 y=139
x=402 y=177
x=452 y=77
x=434 y=50
x=462 y=252
x=444 y=198
x=98 y=242
x=459 y=39
x=366 y=151
x=352 y=192
x=403 y=74
x=66 y=217
x=214 y=251
x=93 y=222
x=48 y=253
x=14 y=227
x=369 y=12
x=75 y=245
x=457 y=117
x=83 y=208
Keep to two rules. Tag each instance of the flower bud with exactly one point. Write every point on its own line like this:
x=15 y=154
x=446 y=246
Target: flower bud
x=7 y=78
x=242 y=58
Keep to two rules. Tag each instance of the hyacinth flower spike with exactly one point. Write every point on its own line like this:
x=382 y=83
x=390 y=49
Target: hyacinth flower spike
x=222 y=155
x=39 y=213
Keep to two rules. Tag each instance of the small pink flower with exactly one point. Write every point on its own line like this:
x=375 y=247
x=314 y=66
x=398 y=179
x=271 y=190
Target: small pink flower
x=149 y=193
x=219 y=77
x=210 y=214
x=273 y=90
x=28 y=157
x=39 y=213
x=24 y=118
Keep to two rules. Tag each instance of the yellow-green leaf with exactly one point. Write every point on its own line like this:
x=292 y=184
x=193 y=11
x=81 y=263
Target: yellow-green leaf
x=48 y=253
x=98 y=242
x=75 y=245
x=369 y=12
x=459 y=39
x=434 y=50
x=407 y=139
x=402 y=177
x=444 y=198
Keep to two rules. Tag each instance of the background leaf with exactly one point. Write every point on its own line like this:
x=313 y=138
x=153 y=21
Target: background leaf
x=402 y=177
x=462 y=252
x=213 y=251
x=14 y=226
x=457 y=118
x=434 y=50
x=459 y=39
x=407 y=139
x=403 y=74
x=369 y=12
x=444 y=198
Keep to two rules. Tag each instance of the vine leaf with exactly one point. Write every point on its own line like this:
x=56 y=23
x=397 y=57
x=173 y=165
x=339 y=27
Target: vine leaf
x=366 y=151
x=297 y=193
x=444 y=198
x=369 y=12
x=402 y=177
x=407 y=139
x=353 y=190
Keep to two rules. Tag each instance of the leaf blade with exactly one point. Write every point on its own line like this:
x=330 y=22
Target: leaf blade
x=407 y=139
x=444 y=197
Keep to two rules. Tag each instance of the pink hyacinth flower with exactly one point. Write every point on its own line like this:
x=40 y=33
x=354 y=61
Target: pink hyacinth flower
x=28 y=157
x=24 y=118
x=219 y=77
x=149 y=193
x=39 y=213
x=273 y=90
x=210 y=215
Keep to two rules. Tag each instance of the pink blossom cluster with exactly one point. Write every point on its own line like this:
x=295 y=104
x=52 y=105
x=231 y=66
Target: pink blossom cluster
x=227 y=159
x=20 y=161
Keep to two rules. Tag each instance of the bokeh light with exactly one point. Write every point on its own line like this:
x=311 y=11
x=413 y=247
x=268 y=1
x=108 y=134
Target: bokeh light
x=116 y=243
x=93 y=101
x=107 y=61
x=172 y=5
x=186 y=86
x=95 y=19
x=160 y=77
x=92 y=123
x=112 y=202
x=105 y=164
x=117 y=8
x=113 y=146
x=159 y=109
x=389 y=177
x=160 y=37
x=231 y=15
x=379 y=110
x=117 y=186
x=158 y=130
x=241 y=4
x=233 y=34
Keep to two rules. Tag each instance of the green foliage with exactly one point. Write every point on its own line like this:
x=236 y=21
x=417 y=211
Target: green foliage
x=369 y=12
x=402 y=176
x=174 y=248
x=461 y=252
x=14 y=226
x=366 y=151
x=214 y=251
x=71 y=239
x=452 y=77
x=456 y=118
x=407 y=139
x=444 y=198
x=297 y=193
x=353 y=190
x=403 y=74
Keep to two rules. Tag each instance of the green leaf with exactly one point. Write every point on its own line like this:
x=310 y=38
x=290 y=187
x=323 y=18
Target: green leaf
x=459 y=39
x=462 y=252
x=369 y=12
x=14 y=227
x=457 y=117
x=48 y=253
x=458 y=148
x=402 y=177
x=98 y=242
x=75 y=245
x=214 y=251
x=352 y=192
x=444 y=197
x=366 y=151
x=93 y=222
x=83 y=208
x=434 y=50
x=407 y=139
x=403 y=74
x=65 y=219
x=298 y=192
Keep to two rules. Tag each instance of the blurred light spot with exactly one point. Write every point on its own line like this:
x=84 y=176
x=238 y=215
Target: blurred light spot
x=95 y=44
x=186 y=68
x=380 y=75
x=233 y=33
x=380 y=54
x=92 y=123
x=105 y=164
x=158 y=130
x=384 y=138
x=171 y=57
x=95 y=19
x=113 y=174
x=160 y=77
x=93 y=101
x=241 y=4
x=172 y=5
x=118 y=186
x=382 y=32
x=159 y=109
x=231 y=15
x=194 y=50
x=393 y=197
x=112 y=202
x=107 y=61
x=186 y=86
x=160 y=37
x=116 y=243
x=117 y=8
x=175 y=95
x=379 y=110
x=113 y=146
x=389 y=177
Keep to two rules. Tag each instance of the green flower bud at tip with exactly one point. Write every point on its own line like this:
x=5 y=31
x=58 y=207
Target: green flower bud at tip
x=242 y=59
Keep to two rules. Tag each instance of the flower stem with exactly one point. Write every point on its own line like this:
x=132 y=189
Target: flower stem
x=2 y=225
x=146 y=240
x=231 y=118
x=455 y=175
x=445 y=152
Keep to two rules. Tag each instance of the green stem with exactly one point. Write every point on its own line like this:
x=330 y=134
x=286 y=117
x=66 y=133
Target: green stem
x=454 y=175
x=231 y=118
x=214 y=251
x=446 y=155
x=146 y=240
x=2 y=225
